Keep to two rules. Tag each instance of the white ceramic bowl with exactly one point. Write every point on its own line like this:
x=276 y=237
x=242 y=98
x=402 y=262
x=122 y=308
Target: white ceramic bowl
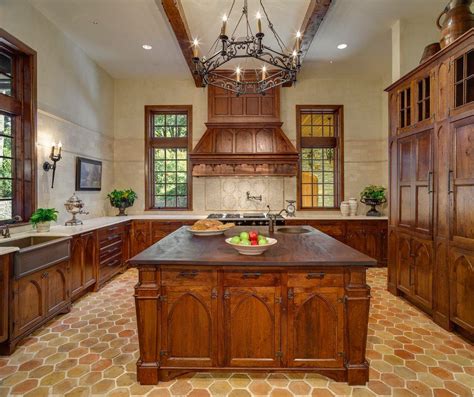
x=251 y=249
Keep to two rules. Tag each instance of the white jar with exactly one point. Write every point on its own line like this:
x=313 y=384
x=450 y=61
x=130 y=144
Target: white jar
x=345 y=208
x=353 y=204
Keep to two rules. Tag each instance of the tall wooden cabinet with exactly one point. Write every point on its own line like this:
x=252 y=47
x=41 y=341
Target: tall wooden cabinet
x=431 y=219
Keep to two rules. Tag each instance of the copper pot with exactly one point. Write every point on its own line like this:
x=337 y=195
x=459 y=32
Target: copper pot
x=458 y=19
x=430 y=50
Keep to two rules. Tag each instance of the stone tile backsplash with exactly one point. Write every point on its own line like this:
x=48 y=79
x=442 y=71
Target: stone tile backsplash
x=230 y=193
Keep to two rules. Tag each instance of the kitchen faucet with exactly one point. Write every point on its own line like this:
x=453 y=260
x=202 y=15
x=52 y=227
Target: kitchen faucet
x=272 y=218
x=5 y=228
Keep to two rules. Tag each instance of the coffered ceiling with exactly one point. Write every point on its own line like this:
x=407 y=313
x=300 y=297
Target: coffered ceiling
x=112 y=32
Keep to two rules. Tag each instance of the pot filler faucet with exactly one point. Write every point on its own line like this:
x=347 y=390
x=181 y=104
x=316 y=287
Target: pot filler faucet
x=253 y=198
x=272 y=218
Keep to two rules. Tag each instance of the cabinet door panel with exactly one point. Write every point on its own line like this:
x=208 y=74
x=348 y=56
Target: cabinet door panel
x=462 y=189
x=405 y=154
x=57 y=286
x=4 y=296
x=423 y=272
x=252 y=326
x=77 y=266
x=423 y=180
x=29 y=302
x=189 y=326
x=404 y=264
x=141 y=236
x=89 y=258
x=315 y=327
x=462 y=286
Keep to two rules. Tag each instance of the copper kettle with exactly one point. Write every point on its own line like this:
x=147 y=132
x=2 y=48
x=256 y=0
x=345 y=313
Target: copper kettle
x=458 y=19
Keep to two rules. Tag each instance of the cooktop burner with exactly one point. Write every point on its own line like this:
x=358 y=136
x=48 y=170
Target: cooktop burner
x=254 y=216
x=232 y=216
x=215 y=216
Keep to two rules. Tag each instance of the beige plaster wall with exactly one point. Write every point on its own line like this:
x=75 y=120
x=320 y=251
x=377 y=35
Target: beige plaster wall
x=75 y=106
x=364 y=137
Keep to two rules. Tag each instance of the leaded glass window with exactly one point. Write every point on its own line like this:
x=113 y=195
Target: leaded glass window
x=320 y=132
x=169 y=139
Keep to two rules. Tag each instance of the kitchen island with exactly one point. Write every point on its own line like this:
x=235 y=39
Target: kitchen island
x=301 y=306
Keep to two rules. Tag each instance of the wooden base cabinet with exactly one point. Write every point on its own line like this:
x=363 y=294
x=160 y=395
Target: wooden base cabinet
x=36 y=298
x=366 y=236
x=202 y=318
x=144 y=233
x=431 y=222
x=112 y=251
x=83 y=263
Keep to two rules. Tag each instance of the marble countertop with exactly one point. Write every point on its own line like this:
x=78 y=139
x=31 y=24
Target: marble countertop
x=97 y=223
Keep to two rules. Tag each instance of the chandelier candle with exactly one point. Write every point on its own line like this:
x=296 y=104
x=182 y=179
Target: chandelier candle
x=195 y=48
x=224 y=25
x=259 y=23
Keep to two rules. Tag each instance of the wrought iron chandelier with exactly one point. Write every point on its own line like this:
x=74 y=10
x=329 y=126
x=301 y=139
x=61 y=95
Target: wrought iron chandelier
x=284 y=63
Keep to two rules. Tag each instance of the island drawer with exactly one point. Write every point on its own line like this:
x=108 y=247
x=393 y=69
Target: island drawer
x=310 y=278
x=251 y=278
x=188 y=275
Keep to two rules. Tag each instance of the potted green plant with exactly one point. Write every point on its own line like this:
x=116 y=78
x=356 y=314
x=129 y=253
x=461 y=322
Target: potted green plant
x=373 y=195
x=42 y=217
x=122 y=199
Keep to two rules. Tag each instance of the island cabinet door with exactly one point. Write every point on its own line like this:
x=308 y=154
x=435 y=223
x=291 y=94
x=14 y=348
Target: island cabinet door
x=316 y=327
x=252 y=326
x=189 y=326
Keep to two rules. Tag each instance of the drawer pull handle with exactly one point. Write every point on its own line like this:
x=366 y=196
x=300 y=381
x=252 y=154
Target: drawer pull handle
x=113 y=263
x=251 y=275
x=311 y=276
x=191 y=274
x=114 y=236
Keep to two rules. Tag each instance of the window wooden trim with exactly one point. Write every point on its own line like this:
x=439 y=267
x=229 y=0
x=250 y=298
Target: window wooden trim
x=327 y=142
x=151 y=142
x=22 y=106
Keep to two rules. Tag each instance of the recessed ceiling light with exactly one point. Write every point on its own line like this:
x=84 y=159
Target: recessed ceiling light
x=342 y=46
x=147 y=47
x=94 y=22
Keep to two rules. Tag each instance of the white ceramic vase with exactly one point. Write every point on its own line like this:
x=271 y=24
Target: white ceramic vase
x=43 y=227
x=353 y=204
x=345 y=208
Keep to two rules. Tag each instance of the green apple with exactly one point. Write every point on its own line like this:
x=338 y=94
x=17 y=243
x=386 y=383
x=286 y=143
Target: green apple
x=244 y=236
x=235 y=240
x=244 y=242
x=262 y=241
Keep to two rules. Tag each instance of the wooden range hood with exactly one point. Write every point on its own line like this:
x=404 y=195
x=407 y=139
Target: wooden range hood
x=244 y=137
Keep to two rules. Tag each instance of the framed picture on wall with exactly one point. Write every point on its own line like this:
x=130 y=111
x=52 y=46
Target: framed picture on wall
x=88 y=174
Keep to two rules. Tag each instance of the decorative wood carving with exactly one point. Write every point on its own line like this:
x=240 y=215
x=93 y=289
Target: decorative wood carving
x=244 y=137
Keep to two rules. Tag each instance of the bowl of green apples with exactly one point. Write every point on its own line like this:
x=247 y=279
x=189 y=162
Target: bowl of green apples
x=250 y=243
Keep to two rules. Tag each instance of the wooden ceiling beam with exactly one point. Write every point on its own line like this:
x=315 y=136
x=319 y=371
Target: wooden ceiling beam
x=315 y=14
x=174 y=12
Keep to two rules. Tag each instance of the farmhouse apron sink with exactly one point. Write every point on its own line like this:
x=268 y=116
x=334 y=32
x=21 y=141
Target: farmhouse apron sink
x=37 y=252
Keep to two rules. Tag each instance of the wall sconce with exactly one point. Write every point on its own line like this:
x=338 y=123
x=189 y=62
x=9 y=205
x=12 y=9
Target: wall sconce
x=55 y=156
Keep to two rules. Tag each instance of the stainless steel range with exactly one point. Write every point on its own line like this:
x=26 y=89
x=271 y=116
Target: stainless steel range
x=246 y=219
